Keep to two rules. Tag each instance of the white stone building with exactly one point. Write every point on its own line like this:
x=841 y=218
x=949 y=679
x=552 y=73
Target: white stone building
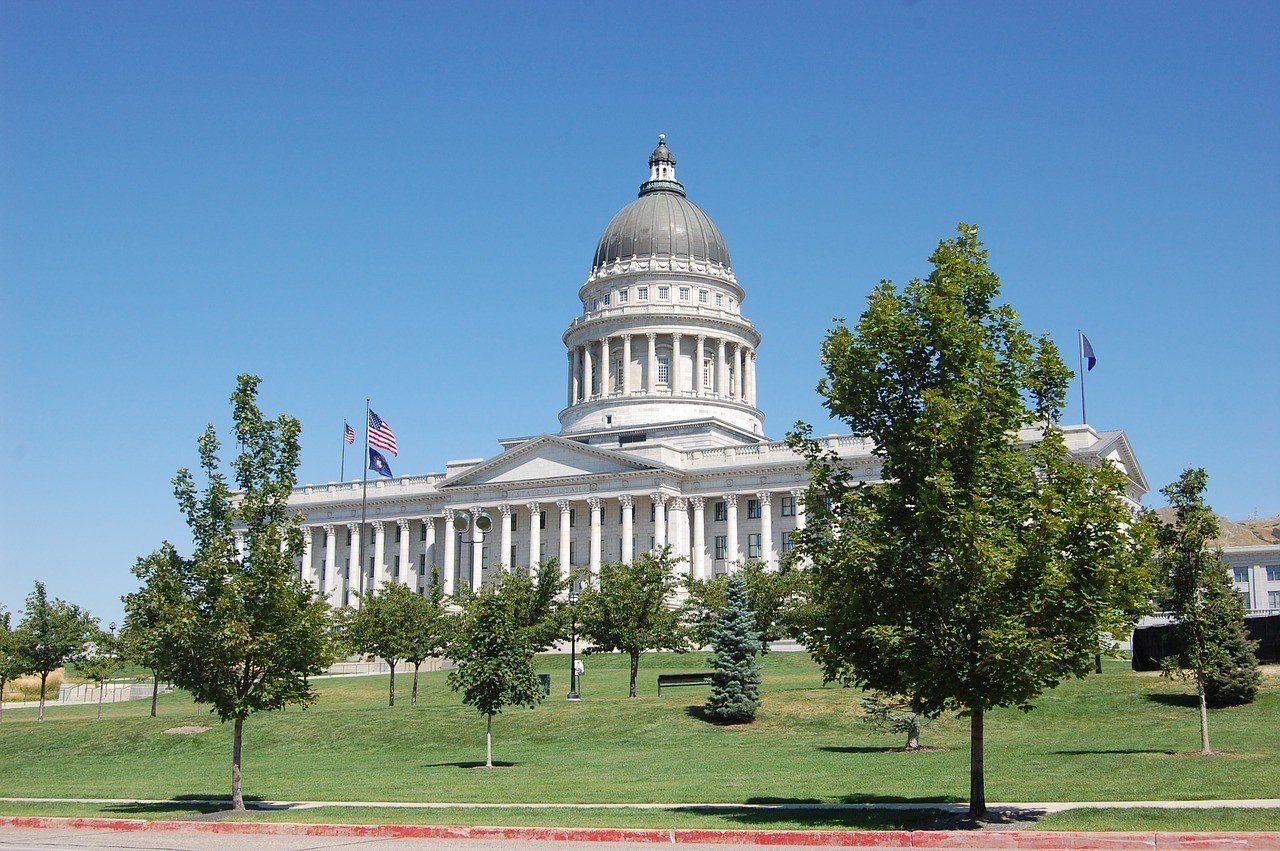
x=660 y=439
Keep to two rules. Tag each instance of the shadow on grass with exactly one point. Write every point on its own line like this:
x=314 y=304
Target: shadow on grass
x=1185 y=701
x=175 y=809
x=857 y=749
x=497 y=763
x=819 y=819
x=699 y=713
x=860 y=799
x=1102 y=751
x=213 y=796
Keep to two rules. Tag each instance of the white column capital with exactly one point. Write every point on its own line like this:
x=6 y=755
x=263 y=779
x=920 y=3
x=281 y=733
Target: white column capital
x=659 y=497
x=563 y=505
x=653 y=336
x=328 y=530
x=697 y=502
x=765 y=498
x=626 y=500
x=353 y=527
x=306 y=535
x=625 y=337
x=679 y=503
x=594 y=503
x=731 y=500
x=448 y=515
x=403 y=523
x=534 y=507
x=797 y=493
x=505 y=509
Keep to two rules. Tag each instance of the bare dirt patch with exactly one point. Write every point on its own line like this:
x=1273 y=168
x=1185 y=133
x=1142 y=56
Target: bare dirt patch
x=188 y=730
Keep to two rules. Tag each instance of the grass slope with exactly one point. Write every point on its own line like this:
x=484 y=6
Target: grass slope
x=1118 y=736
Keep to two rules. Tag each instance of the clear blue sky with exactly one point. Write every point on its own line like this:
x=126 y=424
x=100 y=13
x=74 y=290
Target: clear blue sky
x=401 y=201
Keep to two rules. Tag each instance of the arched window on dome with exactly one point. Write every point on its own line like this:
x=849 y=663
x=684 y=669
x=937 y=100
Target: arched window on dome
x=707 y=372
x=664 y=369
x=617 y=375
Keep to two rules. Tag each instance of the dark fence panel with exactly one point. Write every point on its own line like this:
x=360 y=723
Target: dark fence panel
x=1152 y=643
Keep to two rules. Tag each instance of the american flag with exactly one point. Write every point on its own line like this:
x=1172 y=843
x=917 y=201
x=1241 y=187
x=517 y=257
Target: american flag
x=380 y=434
x=348 y=433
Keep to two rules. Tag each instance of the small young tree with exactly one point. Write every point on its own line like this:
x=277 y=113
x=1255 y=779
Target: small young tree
x=631 y=608
x=494 y=660
x=735 y=676
x=377 y=627
x=248 y=634
x=11 y=664
x=428 y=627
x=1206 y=609
x=100 y=663
x=151 y=615
x=892 y=714
x=1235 y=681
x=52 y=633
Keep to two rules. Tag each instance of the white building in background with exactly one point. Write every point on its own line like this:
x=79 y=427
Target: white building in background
x=1255 y=572
x=660 y=441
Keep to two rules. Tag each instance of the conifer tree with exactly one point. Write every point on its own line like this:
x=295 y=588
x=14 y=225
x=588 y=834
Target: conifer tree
x=735 y=678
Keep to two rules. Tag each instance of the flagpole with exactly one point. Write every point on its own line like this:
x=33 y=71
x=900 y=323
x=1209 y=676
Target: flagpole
x=364 y=492
x=1084 y=412
x=342 y=471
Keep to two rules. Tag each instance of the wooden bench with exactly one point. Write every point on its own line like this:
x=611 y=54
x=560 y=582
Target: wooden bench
x=677 y=680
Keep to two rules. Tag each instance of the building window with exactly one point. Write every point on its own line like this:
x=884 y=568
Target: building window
x=664 y=293
x=788 y=506
x=719 y=300
x=595 y=304
x=706 y=372
x=722 y=547
x=542 y=519
x=422 y=565
x=617 y=375
x=722 y=512
x=422 y=536
x=607 y=298
x=753 y=509
x=753 y=545
x=484 y=556
x=702 y=296
x=1273 y=599
x=573 y=517
x=348 y=536
x=1273 y=573
x=1240 y=574
x=653 y=511
x=515 y=521
x=622 y=296
x=788 y=544
x=1244 y=600
x=642 y=293
x=684 y=293
x=664 y=370
x=397 y=565
x=573 y=558
x=512 y=555
x=397 y=533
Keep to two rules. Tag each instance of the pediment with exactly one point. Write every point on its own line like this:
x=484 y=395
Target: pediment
x=550 y=457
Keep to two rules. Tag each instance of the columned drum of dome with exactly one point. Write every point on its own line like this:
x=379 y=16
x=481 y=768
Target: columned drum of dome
x=661 y=339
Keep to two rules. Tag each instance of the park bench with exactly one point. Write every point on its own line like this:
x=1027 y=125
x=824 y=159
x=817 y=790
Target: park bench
x=676 y=680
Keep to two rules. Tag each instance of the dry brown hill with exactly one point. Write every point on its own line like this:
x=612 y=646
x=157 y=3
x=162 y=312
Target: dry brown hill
x=1239 y=533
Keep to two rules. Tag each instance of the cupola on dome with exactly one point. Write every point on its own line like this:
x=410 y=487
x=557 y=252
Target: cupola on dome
x=662 y=221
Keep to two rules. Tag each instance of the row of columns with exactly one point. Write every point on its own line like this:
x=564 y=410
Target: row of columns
x=591 y=373
x=669 y=527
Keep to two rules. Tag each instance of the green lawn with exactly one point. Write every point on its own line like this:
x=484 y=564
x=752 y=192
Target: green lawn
x=1148 y=818
x=1116 y=736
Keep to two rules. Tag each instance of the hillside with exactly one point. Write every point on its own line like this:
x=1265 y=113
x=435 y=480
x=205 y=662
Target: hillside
x=1239 y=533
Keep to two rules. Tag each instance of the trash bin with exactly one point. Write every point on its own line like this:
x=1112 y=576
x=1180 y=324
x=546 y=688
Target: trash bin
x=544 y=684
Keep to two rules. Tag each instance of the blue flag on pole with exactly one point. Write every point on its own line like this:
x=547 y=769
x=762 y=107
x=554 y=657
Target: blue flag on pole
x=1086 y=351
x=379 y=464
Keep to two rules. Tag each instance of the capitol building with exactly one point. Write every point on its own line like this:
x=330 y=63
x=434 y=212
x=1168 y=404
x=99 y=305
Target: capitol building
x=661 y=441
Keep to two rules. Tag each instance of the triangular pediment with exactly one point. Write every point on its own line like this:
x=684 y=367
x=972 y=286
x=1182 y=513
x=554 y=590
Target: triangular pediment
x=550 y=457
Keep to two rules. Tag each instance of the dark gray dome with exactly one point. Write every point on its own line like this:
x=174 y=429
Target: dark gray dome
x=664 y=223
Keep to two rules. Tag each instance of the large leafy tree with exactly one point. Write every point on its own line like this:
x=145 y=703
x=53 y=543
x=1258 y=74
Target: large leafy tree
x=152 y=615
x=772 y=595
x=735 y=675
x=52 y=633
x=494 y=657
x=11 y=664
x=631 y=608
x=248 y=633
x=1209 y=614
x=981 y=570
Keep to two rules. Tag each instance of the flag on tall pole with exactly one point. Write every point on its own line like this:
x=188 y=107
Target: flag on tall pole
x=348 y=436
x=1086 y=353
x=380 y=434
x=379 y=464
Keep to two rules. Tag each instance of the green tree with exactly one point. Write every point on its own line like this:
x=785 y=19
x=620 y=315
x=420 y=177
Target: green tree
x=631 y=608
x=772 y=595
x=494 y=660
x=537 y=599
x=100 y=663
x=1208 y=613
x=249 y=633
x=52 y=633
x=151 y=615
x=428 y=628
x=986 y=565
x=735 y=676
x=378 y=627
x=892 y=714
x=11 y=663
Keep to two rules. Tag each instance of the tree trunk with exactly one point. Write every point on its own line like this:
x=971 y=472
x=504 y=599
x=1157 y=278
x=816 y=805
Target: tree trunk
x=635 y=670
x=488 y=741
x=102 y=687
x=44 y=675
x=237 y=798
x=977 y=781
x=913 y=733
x=391 y=697
x=3 y=680
x=155 y=691
x=1204 y=714
x=413 y=698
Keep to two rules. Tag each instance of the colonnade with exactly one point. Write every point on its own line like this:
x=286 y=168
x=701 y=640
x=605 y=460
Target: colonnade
x=678 y=520
x=593 y=373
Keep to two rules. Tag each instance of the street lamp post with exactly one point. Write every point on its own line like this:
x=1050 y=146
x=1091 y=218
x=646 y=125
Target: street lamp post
x=573 y=647
x=477 y=526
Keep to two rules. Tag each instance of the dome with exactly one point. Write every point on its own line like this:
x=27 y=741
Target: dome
x=662 y=221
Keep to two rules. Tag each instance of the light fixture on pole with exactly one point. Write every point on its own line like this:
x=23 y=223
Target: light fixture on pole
x=477 y=525
x=573 y=644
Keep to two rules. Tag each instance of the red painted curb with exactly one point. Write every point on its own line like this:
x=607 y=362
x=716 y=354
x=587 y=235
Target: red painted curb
x=1112 y=841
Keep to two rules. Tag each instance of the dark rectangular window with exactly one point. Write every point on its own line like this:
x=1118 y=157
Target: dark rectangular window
x=787 y=543
x=753 y=545
x=422 y=565
x=753 y=509
x=722 y=547
x=542 y=519
x=422 y=536
x=399 y=531
x=573 y=517
x=515 y=521
x=788 y=506
x=722 y=512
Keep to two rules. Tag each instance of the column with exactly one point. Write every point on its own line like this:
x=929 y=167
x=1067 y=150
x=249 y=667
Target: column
x=699 y=537
x=594 y=503
x=676 y=380
x=659 y=520
x=331 y=585
x=733 y=555
x=565 y=535
x=628 y=531
x=626 y=364
x=449 y=571
x=737 y=371
x=355 y=568
x=504 y=540
x=722 y=370
x=798 y=496
x=587 y=377
x=239 y=543
x=429 y=548
x=535 y=534
x=766 y=530
x=308 y=573
x=477 y=551
x=676 y=532
x=606 y=368
x=651 y=374
x=379 y=556
x=700 y=387
x=751 y=377
x=406 y=569
x=573 y=378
